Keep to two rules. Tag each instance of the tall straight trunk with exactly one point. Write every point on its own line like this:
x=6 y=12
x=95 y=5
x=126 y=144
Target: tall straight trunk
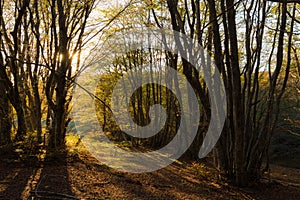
x=58 y=126
x=34 y=75
x=57 y=133
x=222 y=151
x=5 y=122
x=17 y=104
x=37 y=109
x=238 y=110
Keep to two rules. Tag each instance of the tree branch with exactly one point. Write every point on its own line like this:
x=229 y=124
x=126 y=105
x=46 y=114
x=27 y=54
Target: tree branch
x=293 y=17
x=285 y=1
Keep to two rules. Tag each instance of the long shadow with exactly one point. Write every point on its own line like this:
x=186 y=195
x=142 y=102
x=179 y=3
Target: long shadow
x=93 y=180
x=161 y=184
x=133 y=185
x=16 y=175
x=106 y=183
x=54 y=179
x=168 y=184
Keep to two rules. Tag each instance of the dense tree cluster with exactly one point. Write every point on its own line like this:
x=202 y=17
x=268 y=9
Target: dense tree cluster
x=253 y=44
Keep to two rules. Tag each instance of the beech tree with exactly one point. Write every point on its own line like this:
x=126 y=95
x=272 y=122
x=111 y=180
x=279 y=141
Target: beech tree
x=68 y=21
x=236 y=35
x=252 y=116
x=12 y=48
x=252 y=44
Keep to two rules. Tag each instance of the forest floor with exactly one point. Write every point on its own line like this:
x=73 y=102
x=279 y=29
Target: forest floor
x=75 y=174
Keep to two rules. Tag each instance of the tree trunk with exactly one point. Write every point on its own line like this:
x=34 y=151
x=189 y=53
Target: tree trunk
x=5 y=120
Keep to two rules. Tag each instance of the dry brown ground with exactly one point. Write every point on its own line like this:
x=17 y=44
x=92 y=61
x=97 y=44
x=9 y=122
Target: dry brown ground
x=83 y=177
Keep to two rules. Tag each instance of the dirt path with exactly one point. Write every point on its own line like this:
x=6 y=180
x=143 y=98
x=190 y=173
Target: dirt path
x=75 y=174
x=83 y=177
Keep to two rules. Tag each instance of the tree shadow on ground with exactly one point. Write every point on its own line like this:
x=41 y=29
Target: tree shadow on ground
x=53 y=181
x=99 y=181
x=24 y=176
x=17 y=172
x=80 y=176
x=93 y=180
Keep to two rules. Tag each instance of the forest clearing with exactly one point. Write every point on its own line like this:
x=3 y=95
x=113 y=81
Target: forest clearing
x=160 y=99
x=75 y=174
